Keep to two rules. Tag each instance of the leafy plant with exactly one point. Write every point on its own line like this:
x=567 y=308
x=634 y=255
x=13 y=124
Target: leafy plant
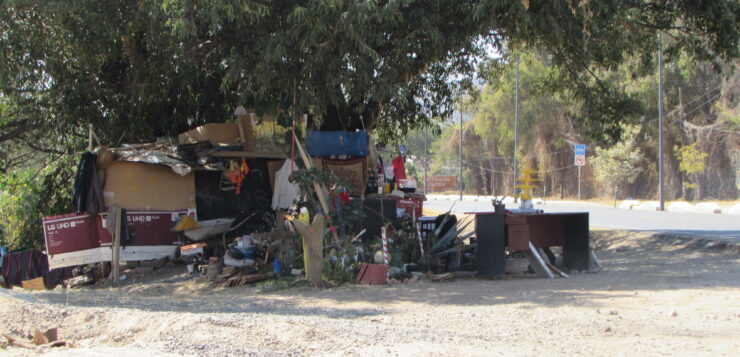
x=451 y=240
x=619 y=163
x=691 y=161
x=27 y=195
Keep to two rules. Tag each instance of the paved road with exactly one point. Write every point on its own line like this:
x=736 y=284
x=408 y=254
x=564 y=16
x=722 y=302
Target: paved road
x=722 y=226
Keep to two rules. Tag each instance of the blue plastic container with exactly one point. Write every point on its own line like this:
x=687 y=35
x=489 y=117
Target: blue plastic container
x=327 y=143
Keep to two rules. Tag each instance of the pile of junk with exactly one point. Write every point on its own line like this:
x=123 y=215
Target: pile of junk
x=245 y=201
x=234 y=202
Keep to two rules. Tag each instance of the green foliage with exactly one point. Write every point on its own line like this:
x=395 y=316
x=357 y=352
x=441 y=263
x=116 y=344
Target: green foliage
x=29 y=194
x=340 y=264
x=149 y=68
x=452 y=240
x=345 y=215
x=691 y=160
x=620 y=162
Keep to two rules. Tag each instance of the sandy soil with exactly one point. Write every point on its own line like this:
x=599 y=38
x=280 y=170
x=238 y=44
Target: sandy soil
x=655 y=296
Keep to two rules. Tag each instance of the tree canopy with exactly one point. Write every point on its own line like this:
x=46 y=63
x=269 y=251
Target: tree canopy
x=150 y=68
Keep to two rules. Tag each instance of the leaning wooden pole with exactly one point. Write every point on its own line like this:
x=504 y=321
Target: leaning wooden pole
x=321 y=191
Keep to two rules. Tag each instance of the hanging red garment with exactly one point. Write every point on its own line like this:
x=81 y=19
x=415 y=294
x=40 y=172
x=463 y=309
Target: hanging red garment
x=399 y=168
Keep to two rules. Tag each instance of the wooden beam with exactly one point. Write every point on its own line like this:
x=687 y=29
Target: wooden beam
x=538 y=262
x=257 y=155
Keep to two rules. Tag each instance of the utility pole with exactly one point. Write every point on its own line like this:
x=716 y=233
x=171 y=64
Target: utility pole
x=461 y=156
x=516 y=125
x=660 y=124
x=683 y=175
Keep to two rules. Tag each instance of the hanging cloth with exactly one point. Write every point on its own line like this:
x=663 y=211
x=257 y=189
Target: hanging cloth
x=285 y=191
x=88 y=191
x=399 y=168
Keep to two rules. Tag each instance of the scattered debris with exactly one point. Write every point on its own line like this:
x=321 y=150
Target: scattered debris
x=246 y=279
x=39 y=340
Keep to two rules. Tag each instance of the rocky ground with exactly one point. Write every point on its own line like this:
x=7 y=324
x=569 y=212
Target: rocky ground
x=655 y=296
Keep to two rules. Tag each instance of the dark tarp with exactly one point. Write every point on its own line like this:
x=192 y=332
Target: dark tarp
x=31 y=264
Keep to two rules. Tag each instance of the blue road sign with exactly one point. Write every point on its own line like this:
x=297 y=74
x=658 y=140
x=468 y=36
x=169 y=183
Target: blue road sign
x=580 y=149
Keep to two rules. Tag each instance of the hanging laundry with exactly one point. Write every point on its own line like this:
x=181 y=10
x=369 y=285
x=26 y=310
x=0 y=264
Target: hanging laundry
x=237 y=173
x=399 y=168
x=88 y=192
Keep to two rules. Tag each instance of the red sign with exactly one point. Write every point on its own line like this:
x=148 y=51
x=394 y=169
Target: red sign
x=442 y=183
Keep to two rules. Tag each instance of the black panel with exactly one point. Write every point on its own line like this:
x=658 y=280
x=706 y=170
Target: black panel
x=212 y=200
x=575 y=248
x=490 y=231
x=373 y=220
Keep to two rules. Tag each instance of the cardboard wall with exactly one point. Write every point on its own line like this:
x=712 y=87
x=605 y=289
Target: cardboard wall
x=140 y=186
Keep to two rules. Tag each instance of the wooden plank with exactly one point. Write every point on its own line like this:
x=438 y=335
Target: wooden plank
x=256 y=155
x=537 y=262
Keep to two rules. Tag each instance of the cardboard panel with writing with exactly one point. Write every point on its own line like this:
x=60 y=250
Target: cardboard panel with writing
x=69 y=233
x=146 y=227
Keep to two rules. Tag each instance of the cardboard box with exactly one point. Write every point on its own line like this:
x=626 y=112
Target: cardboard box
x=69 y=233
x=140 y=186
x=80 y=239
x=34 y=284
x=219 y=133
x=147 y=228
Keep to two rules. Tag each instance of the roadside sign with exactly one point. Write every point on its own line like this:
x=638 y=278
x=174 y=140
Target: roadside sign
x=580 y=154
x=442 y=183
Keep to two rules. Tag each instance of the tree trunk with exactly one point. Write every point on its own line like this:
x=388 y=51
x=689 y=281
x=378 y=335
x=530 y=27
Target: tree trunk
x=313 y=247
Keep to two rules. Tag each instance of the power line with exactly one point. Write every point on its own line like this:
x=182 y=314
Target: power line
x=699 y=106
x=525 y=156
x=511 y=172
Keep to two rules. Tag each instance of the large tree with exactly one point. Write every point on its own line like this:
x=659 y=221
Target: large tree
x=149 y=68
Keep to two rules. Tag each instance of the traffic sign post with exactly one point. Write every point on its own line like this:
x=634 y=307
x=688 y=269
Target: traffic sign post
x=580 y=160
x=580 y=154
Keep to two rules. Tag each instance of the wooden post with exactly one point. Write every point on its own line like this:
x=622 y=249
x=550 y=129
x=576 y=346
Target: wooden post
x=116 y=259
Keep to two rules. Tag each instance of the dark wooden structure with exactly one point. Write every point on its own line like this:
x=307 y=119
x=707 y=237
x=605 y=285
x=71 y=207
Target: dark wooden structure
x=522 y=232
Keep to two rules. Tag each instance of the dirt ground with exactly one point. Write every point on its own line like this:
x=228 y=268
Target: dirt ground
x=655 y=296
